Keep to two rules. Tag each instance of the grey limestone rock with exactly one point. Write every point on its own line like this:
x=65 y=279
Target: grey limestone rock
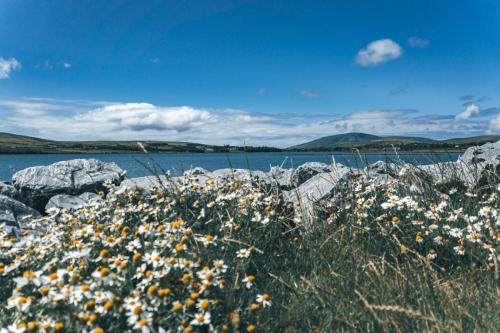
x=36 y=185
x=14 y=213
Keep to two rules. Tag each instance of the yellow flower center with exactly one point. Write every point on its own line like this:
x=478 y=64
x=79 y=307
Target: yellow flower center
x=137 y=310
x=104 y=271
x=164 y=292
x=108 y=306
x=204 y=304
x=136 y=257
x=152 y=290
x=32 y=325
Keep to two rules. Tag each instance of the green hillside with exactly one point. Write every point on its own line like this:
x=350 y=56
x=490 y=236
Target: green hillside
x=478 y=140
x=338 y=140
x=372 y=142
x=19 y=144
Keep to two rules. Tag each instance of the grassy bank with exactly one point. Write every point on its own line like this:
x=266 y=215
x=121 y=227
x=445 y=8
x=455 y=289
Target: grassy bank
x=19 y=144
x=233 y=256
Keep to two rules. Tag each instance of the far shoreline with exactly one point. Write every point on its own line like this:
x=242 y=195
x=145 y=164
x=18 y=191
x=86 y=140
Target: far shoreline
x=337 y=152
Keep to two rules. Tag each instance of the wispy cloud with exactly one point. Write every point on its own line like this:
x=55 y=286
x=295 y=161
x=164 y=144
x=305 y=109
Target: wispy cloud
x=415 y=41
x=7 y=66
x=473 y=99
x=155 y=60
x=469 y=111
x=466 y=98
x=494 y=125
x=489 y=112
x=307 y=93
x=378 y=52
x=67 y=65
x=86 y=120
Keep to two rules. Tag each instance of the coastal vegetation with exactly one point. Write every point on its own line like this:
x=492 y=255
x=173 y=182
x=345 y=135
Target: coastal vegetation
x=19 y=144
x=363 y=141
x=204 y=254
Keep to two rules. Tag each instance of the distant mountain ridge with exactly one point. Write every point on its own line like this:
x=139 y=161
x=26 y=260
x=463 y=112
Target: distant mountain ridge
x=20 y=144
x=370 y=141
x=338 y=139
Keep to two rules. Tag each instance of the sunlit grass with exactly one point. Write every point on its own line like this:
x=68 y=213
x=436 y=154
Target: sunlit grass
x=206 y=255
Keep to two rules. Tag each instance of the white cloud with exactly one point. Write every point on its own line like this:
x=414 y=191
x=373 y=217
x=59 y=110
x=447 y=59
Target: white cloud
x=307 y=93
x=145 y=116
x=378 y=52
x=96 y=120
x=67 y=65
x=469 y=111
x=7 y=66
x=495 y=124
x=418 y=42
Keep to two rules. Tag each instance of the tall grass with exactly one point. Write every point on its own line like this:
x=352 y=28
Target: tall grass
x=401 y=256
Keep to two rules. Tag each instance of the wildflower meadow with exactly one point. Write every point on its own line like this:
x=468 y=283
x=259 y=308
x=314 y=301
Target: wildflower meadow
x=233 y=256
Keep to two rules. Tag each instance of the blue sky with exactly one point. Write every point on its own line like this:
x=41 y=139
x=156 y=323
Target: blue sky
x=256 y=72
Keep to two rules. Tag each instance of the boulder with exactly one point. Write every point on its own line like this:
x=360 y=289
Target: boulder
x=196 y=172
x=443 y=173
x=282 y=177
x=37 y=185
x=319 y=187
x=481 y=162
x=70 y=202
x=472 y=167
x=382 y=168
x=90 y=197
x=149 y=184
x=381 y=172
x=144 y=184
x=308 y=170
x=15 y=214
x=8 y=190
x=241 y=175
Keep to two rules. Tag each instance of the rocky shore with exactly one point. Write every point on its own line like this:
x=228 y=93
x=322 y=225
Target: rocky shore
x=74 y=184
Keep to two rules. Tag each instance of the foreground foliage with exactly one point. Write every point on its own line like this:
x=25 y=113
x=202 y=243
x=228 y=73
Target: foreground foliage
x=232 y=256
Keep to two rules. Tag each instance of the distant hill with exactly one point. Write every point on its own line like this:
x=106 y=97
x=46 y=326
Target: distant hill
x=373 y=142
x=478 y=140
x=19 y=144
x=337 y=140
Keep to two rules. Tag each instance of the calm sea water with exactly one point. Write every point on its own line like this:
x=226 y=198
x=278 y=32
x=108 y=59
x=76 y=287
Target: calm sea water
x=178 y=162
